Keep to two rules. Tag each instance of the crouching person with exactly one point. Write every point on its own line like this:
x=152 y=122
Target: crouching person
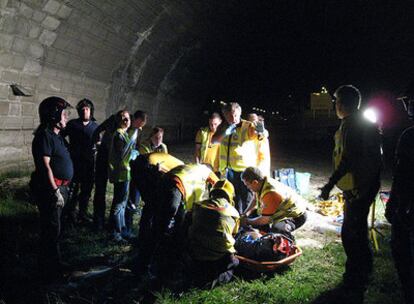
x=211 y=237
x=278 y=207
x=50 y=181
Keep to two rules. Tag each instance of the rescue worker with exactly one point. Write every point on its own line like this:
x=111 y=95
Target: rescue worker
x=205 y=151
x=357 y=163
x=147 y=171
x=400 y=209
x=50 y=181
x=179 y=189
x=237 y=150
x=119 y=172
x=211 y=241
x=262 y=143
x=154 y=143
x=82 y=152
x=103 y=143
x=278 y=207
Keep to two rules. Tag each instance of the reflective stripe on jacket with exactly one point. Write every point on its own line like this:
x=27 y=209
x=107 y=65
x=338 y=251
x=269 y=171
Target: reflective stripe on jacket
x=238 y=151
x=211 y=234
x=292 y=205
x=194 y=178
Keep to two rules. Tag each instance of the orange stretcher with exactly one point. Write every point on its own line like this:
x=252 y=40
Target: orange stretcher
x=268 y=266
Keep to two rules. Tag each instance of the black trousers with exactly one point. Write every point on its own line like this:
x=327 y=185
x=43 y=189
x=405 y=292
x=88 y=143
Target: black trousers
x=81 y=187
x=243 y=194
x=354 y=235
x=50 y=232
x=101 y=182
x=219 y=271
x=402 y=245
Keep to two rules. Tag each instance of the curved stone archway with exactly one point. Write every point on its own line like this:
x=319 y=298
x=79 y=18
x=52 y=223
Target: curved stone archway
x=117 y=53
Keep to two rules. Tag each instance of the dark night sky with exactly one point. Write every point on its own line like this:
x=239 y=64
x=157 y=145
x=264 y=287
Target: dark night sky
x=261 y=51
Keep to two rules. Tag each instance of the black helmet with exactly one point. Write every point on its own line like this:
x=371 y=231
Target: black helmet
x=50 y=109
x=85 y=103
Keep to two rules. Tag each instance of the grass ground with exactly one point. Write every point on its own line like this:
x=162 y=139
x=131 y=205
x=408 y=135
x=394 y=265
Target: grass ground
x=312 y=278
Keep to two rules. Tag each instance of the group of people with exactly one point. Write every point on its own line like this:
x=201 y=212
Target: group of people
x=196 y=208
x=223 y=186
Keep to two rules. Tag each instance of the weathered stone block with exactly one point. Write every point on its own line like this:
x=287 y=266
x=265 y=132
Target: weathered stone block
x=50 y=23
x=62 y=59
x=10 y=76
x=64 y=11
x=34 y=31
x=39 y=16
x=18 y=62
x=6 y=41
x=19 y=45
x=28 y=80
x=47 y=37
x=51 y=7
x=36 y=50
x=28 y=123
x=22 y=26
x=15 y=109
x=32 y=67
x=6 y=60
x=8 y=123
x=8 y=24
x=4 y=108
x=25 y=10
x=4 y=91
x=3 y=3
x=67 y=86
x=29 y=109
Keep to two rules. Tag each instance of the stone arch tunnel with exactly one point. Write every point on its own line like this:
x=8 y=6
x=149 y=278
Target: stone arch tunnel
x=116 y=53
x=171 y=58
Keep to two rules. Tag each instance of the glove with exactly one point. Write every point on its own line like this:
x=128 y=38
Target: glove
x=325 y=191
x=134 y=154
x=230 y=130
x=260 y=127
x=60 y=202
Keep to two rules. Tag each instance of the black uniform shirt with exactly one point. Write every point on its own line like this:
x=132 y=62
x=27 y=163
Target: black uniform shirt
x=48 y=143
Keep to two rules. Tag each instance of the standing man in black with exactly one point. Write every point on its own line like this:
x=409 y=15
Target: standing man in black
x=400 y=208
x=50 y=181
x=82 y=152
x=357 y=164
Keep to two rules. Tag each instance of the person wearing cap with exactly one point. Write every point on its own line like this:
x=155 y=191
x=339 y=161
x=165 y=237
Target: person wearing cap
x=278 y=207
x=50 y=181
x=82 y=151
x=211 y=241
x=357 y=166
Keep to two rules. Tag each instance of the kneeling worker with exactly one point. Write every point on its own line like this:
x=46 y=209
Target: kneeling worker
x=279 y=208
x=211 y=236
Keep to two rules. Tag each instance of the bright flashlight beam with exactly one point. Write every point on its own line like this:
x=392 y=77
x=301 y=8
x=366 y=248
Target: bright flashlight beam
x=371 y=115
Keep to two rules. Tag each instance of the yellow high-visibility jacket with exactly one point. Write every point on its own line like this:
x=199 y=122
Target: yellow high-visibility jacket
x=194 y=179
x=292 y=205
x=214 y=224
x=238 y=150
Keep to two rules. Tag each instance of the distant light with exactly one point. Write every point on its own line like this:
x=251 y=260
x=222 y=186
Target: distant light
x=254 y=108
x=214 y=101
x=371 y=114
x=273 y=113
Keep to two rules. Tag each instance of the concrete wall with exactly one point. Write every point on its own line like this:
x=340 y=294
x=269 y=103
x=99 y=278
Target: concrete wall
x=117 y=53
